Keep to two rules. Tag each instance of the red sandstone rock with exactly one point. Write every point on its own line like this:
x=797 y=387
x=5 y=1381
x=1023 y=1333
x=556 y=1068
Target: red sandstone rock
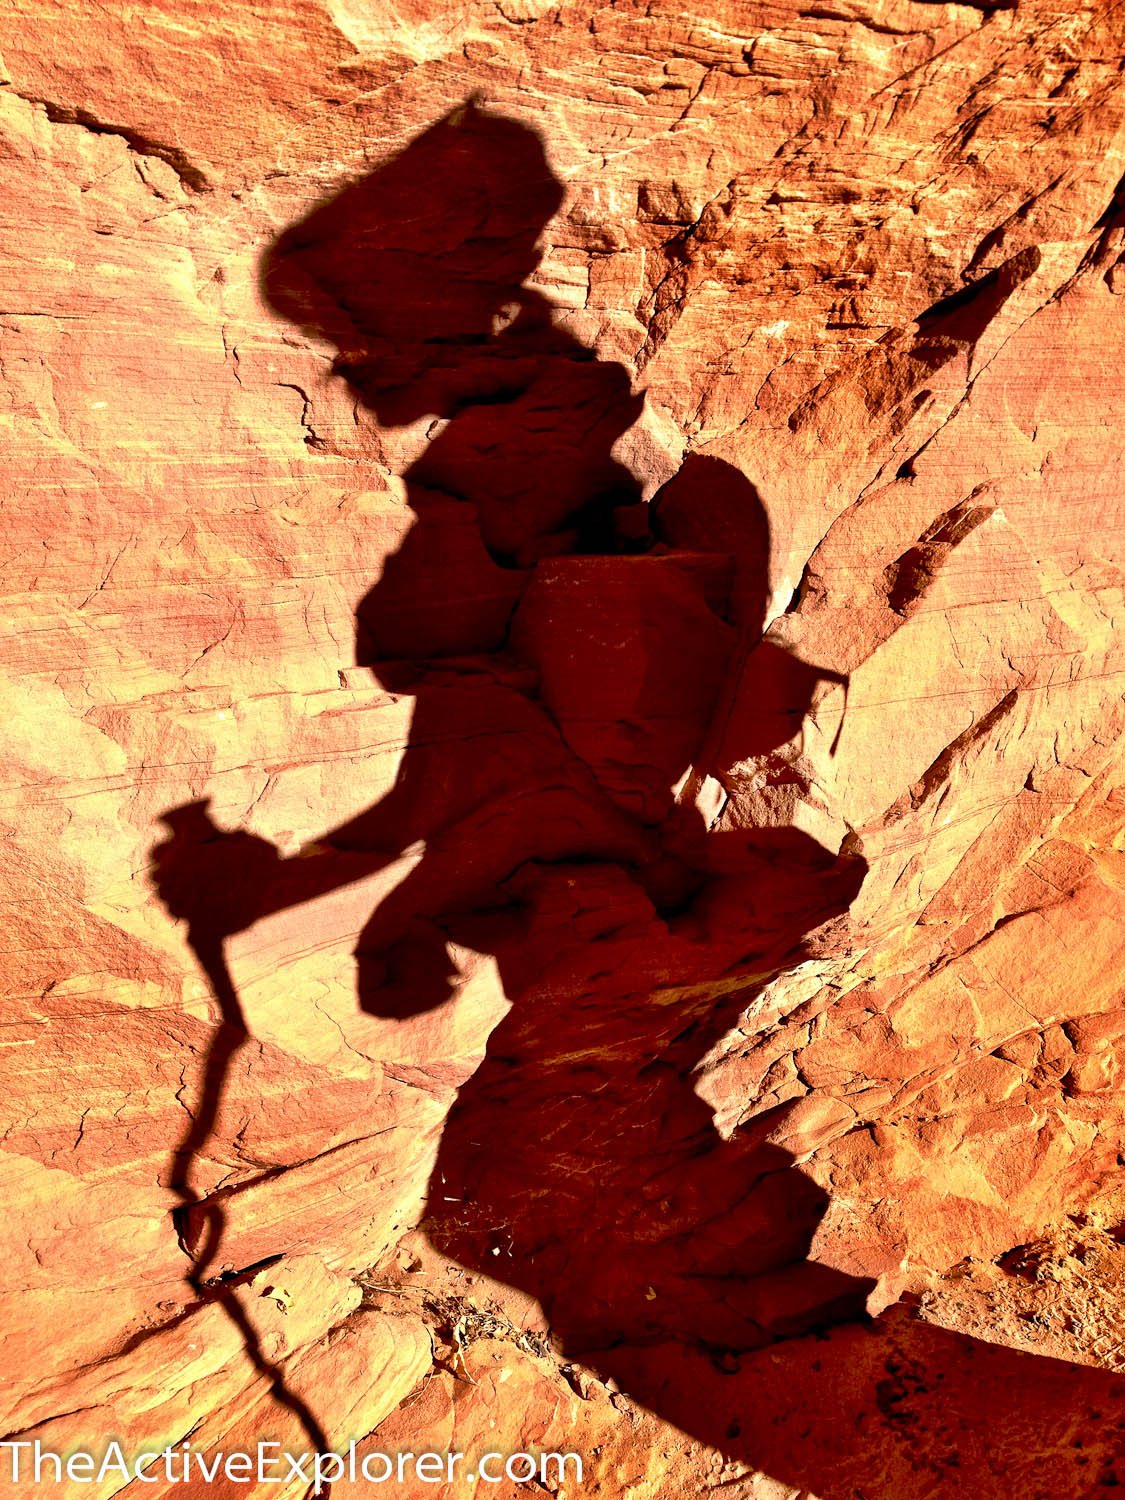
x=864 y=264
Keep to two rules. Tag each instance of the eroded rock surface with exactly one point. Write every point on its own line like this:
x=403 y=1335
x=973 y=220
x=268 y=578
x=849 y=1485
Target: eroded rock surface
x=837 y=290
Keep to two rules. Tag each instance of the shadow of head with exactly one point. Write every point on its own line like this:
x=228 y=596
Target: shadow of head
x=408 y=268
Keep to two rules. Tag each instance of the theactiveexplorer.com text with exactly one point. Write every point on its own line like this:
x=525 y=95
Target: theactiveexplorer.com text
x=29 y=1462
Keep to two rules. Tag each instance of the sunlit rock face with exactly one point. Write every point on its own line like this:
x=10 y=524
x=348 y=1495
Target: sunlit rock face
x=618 y=512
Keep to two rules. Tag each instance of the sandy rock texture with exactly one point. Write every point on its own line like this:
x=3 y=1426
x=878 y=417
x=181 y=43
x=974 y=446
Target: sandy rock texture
x=743 y=832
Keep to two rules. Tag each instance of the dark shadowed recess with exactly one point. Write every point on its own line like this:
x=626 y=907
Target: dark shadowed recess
x=571 y=653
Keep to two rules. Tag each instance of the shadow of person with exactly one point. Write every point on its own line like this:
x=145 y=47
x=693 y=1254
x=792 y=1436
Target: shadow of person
x=573 y=657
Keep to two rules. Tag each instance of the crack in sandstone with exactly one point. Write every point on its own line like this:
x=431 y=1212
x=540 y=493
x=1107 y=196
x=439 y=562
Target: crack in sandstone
x=193 y=178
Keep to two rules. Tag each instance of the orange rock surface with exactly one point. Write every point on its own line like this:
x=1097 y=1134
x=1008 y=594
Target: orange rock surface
x=616 y=510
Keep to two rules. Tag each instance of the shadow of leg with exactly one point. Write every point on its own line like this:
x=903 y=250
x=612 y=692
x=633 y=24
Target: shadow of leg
x=894 y=1410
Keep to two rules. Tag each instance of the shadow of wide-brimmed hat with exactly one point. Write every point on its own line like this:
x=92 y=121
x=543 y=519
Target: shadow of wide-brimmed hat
x=426 y=245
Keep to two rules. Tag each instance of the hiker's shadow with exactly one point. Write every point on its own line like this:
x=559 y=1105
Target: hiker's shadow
x=572 y=656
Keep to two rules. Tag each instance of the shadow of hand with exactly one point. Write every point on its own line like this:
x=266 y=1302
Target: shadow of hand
x=407 y=977
x=216 y=881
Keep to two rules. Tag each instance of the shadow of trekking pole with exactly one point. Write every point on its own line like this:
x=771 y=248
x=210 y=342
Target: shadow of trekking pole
x=213 y=909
